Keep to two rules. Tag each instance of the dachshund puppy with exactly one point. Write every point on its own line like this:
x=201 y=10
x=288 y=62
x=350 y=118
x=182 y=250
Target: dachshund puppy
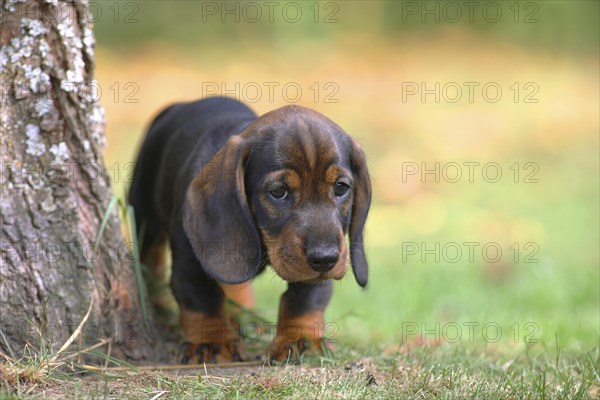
x=231 y=193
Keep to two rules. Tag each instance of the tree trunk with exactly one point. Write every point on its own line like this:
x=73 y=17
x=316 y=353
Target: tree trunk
x=55 y=191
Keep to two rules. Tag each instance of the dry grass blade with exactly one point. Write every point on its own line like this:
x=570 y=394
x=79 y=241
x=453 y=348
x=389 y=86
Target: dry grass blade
x=7 y=358
x=159 y=394
x=172 y=367
x=86 y=350
x=75 y=334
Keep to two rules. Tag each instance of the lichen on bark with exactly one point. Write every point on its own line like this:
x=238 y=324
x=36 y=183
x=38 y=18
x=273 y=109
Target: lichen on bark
x=55 y=190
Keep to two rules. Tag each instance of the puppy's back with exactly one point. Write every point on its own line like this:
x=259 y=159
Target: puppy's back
x=182 y=138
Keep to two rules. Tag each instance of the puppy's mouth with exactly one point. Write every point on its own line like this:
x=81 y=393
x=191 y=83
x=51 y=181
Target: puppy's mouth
x=300 y=271
x=305 y=277
x=322 y=276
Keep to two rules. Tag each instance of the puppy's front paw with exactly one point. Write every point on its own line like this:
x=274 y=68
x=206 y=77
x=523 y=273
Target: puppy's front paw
x=210 y=338
x=282 y=349
x=210 y=353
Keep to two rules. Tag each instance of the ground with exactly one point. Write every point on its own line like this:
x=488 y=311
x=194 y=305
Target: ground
x=418 y=372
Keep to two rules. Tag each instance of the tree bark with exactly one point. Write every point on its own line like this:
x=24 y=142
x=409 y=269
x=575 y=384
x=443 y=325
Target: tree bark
x=55 y=191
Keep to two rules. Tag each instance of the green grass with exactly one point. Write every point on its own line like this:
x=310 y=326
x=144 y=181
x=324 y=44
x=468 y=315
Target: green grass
x=442 y=373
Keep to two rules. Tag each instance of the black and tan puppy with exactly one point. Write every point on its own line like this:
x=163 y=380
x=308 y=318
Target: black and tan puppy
x=232 y=193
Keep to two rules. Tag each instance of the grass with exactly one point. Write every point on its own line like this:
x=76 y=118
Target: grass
x=418 y=366
x=444 y=372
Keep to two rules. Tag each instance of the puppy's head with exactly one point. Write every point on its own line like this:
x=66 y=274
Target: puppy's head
x=286 y=191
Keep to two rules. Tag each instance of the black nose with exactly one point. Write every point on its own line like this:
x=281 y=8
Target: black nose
x=322 y=259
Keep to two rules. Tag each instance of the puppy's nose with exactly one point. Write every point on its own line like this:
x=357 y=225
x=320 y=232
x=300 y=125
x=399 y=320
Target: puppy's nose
x=323 y=259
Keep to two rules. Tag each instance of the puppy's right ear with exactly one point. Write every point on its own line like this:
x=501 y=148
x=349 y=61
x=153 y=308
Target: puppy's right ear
x=360 y=209
x=217 y=218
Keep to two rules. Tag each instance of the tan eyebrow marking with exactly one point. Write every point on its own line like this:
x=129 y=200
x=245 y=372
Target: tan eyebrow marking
x=289 y=176
x=334 y=172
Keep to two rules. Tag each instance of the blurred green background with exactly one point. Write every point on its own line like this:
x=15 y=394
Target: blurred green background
x=396 y=76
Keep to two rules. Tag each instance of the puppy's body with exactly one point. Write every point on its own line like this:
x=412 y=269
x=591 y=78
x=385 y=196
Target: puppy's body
x=232 y=193
x=164 y=168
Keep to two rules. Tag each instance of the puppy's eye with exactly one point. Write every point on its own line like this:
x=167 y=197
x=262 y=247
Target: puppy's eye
x=341 y=189
x=279 y=193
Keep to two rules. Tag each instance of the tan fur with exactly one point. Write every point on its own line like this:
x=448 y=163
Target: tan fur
x=241 y=294
x=209 y=337
x=296 y=334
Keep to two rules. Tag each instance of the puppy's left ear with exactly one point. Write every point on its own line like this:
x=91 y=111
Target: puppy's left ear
x=360 y=209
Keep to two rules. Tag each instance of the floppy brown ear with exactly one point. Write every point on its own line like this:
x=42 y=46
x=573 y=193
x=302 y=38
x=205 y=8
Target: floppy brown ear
x=360 y=209
x=217 y=218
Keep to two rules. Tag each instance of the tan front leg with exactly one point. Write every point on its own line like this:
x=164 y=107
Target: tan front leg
x=209 y=339
x=301 y=324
